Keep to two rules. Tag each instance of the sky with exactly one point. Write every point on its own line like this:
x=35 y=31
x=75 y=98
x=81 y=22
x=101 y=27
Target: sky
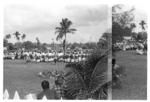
x=40 y=21
x=139 y=14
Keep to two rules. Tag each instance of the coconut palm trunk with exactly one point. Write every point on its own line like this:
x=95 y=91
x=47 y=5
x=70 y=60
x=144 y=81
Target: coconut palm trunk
x=65 y=46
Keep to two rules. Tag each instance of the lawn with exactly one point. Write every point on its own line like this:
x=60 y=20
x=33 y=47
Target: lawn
x=134 y=85
x=23 y=77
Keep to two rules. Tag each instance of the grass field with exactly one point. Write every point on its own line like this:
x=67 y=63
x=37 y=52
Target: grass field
x=134 y=85
x=23 y=77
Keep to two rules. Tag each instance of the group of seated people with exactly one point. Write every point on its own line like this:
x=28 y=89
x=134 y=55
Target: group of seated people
x=140 y=47
x=55 y=57
x=38 y=56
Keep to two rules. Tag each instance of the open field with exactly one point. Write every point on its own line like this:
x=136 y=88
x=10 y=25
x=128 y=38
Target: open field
x=134 y=85
x=23 y=77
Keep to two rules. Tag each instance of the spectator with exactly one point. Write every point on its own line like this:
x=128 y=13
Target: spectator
x=49 y=93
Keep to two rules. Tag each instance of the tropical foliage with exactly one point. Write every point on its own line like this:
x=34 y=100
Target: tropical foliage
x=23 y=36
x=142 y=23
x=121 y=23
x=65 y=27
x=17 y=35
x=8 y=36
x=87 y=79
x=104 y=41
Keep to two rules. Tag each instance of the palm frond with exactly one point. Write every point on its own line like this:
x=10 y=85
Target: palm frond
x=58 y=28
x=68 y=24
x=8 y=36
x=60 y=33
x=65 y=24
x=17 y=35
x=74 y=81
x=77 y=77
x=99 y=75
x=59 y=36
x=64 y=28
x=71 y=30
x=57 y=31
x=23 y=36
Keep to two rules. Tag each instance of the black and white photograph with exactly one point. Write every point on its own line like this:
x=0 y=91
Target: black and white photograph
x=57 y=52
x=129 y=53
x=74 y=50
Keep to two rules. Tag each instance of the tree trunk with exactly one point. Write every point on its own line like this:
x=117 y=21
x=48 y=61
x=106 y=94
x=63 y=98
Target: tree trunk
x=65 y=46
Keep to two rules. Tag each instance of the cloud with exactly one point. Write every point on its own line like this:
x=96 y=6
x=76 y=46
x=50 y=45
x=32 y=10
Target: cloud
x=87 y=15
x=26 y=18
x=90 y=21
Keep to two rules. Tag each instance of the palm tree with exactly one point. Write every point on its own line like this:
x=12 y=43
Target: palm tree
x=23 y=36
x=8 y=36
x=63 y=30
x=142 y=23
x=132 y=25
x=17 y=35
x=104 y=41
x=89 y=80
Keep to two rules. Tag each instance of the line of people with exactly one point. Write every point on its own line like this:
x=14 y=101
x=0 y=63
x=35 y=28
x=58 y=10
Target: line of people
x=53 y=57
x=37 y=56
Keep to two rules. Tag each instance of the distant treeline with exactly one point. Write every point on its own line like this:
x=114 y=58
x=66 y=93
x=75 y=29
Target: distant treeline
x=29 y=45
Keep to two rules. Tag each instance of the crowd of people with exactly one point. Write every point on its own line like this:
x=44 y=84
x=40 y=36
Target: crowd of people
x=140 y=47
x=49 y=56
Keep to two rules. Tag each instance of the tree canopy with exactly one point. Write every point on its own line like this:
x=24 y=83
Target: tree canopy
x=122 y=23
